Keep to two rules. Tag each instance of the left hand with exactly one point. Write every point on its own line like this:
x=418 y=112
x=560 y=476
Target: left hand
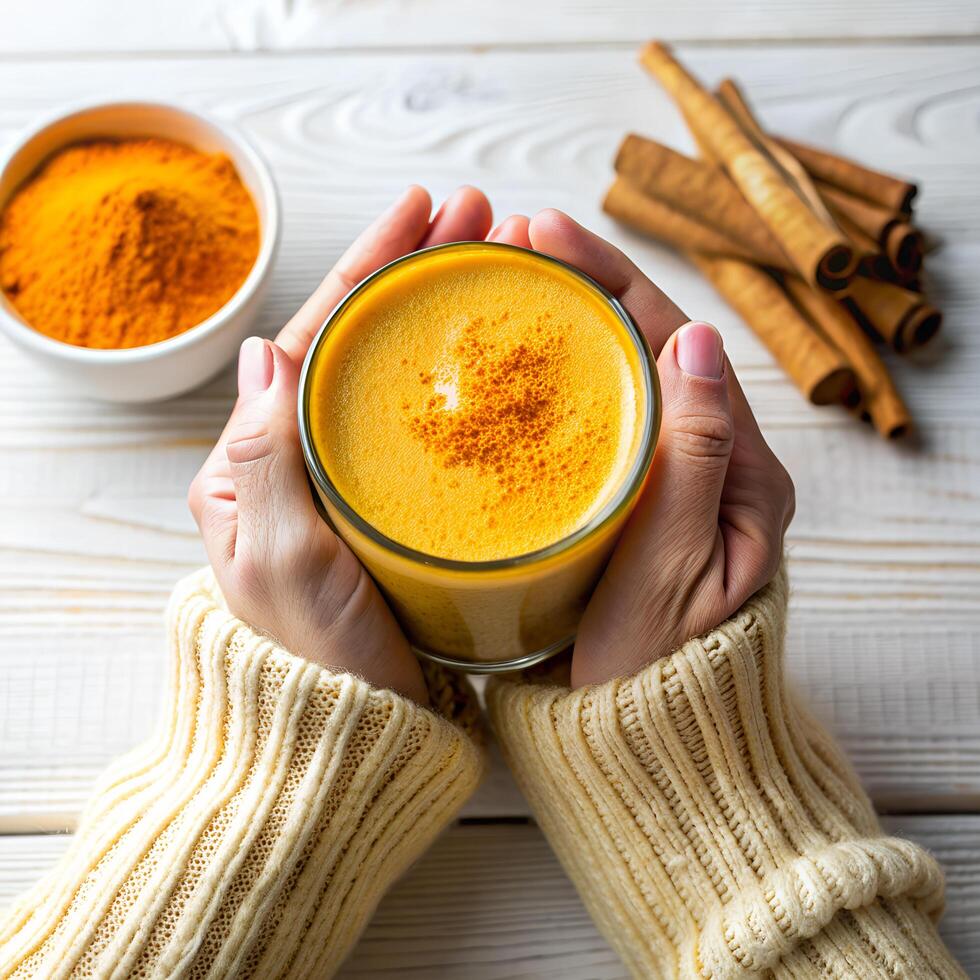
x=279 y=565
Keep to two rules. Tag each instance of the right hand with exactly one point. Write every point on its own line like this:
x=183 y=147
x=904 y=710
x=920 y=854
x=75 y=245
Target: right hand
x=708 y=529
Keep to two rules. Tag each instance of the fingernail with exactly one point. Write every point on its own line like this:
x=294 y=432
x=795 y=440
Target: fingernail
x=700 y=350
x=255 y=366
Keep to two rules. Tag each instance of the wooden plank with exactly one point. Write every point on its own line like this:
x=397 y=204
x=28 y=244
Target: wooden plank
x=491 y=902
x=273 y=25
x=885 y=549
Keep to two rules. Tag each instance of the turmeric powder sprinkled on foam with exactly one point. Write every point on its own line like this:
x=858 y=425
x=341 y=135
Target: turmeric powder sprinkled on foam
x=126 y=243
x=507 y=406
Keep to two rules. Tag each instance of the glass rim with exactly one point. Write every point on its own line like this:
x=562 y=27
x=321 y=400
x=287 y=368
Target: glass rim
x=620 y=500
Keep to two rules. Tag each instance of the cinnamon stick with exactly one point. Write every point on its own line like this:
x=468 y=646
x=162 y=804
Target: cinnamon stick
x=819 y=253
x=900 y=242
x=701 y=190
x=653 y=217
x=905 y=249
x=880 y=397
x=873 y=219
x=900 y=252
x=817 y=368
x=899 y=316
x=872 y=185
x=737 y=104
x=873 y=262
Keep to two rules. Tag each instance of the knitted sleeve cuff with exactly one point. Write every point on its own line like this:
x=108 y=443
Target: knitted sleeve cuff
x=887 y=938
x=256 y=833
x=711 y=826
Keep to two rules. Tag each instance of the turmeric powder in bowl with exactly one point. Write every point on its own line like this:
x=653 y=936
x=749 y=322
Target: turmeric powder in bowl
x=124 y=243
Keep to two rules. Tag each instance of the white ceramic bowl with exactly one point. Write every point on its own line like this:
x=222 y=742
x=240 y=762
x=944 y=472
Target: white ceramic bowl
x=165 y=369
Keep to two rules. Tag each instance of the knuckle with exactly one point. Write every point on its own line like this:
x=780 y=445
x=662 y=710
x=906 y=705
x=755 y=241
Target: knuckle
x=343 y=280
x=247 y=583
x=296 y=550
x=752 y=569
x=249 y=442
x=195 y=497
x=707 y=437
x=358 y=601
x=344 y=592
x=210 y=518
x=789 y=494
x=767 y=561
x=783 y=495
x=772 y=565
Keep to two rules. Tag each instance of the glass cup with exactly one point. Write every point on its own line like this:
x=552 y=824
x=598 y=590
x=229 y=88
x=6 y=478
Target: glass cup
x=488 y=616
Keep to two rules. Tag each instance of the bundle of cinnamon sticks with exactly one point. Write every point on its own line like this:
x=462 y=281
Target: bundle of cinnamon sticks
x=817 y=253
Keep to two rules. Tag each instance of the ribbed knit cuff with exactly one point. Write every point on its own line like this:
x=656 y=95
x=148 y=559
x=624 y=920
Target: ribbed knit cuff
x=884 y=939
x=255 y=835
x=710 y=825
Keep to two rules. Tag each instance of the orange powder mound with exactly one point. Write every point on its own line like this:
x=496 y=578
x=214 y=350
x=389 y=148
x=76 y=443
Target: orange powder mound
x=126 y=243
x=477 y=404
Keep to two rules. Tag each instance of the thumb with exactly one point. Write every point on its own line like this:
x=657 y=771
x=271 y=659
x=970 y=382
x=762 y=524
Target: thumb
x=696 y=442
x=263 y=448
x=672 y=546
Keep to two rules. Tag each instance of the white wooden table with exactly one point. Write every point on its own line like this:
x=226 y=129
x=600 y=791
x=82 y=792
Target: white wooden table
x=352 y=100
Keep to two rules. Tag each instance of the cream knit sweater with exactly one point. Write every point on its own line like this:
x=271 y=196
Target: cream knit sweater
x=711 y=827
x=255 y=834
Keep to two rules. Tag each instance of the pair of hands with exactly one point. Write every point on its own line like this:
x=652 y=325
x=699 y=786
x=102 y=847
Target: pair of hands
x=706 y=534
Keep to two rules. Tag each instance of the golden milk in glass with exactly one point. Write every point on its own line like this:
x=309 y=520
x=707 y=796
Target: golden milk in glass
x=478 y=420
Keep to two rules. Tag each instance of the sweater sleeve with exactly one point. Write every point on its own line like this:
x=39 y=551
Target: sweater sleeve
x=254 y=836
x=711 y=827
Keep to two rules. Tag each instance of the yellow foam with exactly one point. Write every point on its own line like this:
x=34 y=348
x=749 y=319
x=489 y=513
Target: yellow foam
x=477 y=403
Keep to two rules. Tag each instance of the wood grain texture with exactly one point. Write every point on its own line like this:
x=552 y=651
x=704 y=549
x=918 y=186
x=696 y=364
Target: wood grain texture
x=236 y=25
x=885 y=549
x=492 y=903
